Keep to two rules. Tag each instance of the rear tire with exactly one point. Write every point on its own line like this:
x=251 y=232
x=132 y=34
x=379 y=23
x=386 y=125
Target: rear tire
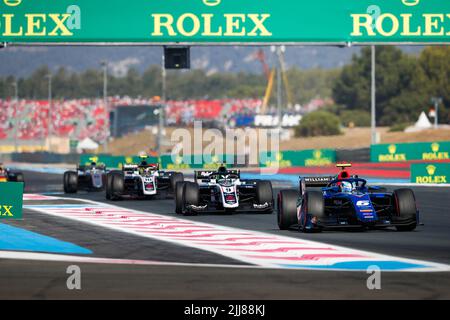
x=70 y=182
x=406 y=209
x=287 y=209
x=179 y=201
x=117 y=186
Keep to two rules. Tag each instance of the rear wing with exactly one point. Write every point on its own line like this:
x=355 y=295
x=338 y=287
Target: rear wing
x=314 y=182
x=205 y=175
x=154 y=166
x=84 y=167
x=126 y=167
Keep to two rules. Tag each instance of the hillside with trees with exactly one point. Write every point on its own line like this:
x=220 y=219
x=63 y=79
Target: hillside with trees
x=405 y=85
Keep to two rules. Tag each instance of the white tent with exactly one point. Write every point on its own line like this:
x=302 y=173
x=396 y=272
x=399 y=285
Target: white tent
x=87 y=144
x=422 y=123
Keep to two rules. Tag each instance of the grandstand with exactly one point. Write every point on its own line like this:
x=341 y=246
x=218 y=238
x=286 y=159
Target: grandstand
x=82 y=118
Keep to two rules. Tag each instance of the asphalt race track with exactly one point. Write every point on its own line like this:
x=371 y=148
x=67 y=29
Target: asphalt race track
x=186 y=272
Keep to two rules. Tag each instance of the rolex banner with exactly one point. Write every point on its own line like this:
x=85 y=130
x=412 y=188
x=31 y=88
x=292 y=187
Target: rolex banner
x=302 y=158
x=198 y=161
x=113 y=162
x=430 y=173
x=225 y=21
x=428 y=151
x=11 y=200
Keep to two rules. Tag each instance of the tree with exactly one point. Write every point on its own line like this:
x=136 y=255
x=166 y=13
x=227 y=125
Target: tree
x=398 y=83
x=318 y=123
x=181 y=84
x=435 y=67
x=61 y=84
x=306 y=85
x=152 y=82
x=36 y=86
x=358 y=118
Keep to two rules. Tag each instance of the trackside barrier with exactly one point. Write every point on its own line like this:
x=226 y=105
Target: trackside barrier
x=113 y=161
x=201 y=161
x=11 y=200
x=428 y=151
x=303 y=158
x=430 y=173
x=41 y=157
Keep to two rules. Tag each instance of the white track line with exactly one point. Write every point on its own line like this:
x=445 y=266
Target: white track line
x=258 y=248
x=14 y=255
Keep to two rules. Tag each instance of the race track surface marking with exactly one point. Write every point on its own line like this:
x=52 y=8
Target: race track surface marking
x=257 y=248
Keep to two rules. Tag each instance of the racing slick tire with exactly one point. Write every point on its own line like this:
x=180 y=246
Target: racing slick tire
x=174 y=179
x=179 y=201
x=287 y=209
x=314 y=205
x=70 y=182
x=191 y=194
x=19 y=177
x=108 y=184
x=264 y=194
x=117 y=186
x=406 y=209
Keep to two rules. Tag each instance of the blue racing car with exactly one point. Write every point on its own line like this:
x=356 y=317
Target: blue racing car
x=345 y=201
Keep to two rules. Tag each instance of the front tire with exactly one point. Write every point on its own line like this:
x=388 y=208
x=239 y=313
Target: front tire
x=174 y=179
x=191 y=195
x=313 y=205
x=116 y=186
x=264 y=194
x=179 y=201
x=70 y=182
x=287 y=209
x=406 y=209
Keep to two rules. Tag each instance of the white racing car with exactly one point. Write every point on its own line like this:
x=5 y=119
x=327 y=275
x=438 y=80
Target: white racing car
x=86 y=177
x=141 y=180
x=223 y=191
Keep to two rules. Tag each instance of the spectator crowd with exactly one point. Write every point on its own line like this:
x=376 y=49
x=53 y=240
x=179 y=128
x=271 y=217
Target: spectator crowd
x=82 y=118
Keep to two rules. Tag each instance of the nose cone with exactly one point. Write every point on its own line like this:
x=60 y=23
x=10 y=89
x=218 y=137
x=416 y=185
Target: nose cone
x=364 y=208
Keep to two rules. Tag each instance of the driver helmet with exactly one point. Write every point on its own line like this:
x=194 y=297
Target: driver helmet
x=222 y=170
x=143 y=157
x=93 y=161
x=346 y=187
